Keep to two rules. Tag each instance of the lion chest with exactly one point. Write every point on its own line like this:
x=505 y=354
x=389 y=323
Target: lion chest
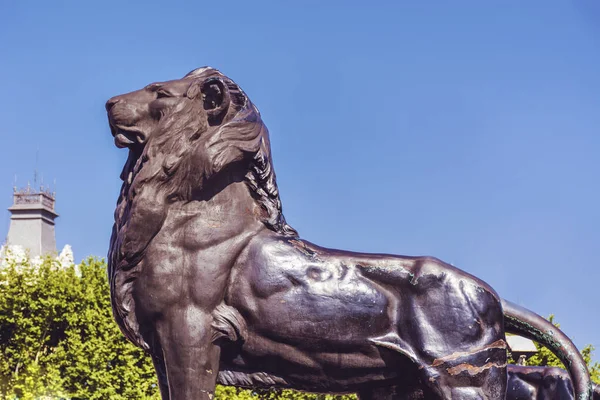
x=188 y=262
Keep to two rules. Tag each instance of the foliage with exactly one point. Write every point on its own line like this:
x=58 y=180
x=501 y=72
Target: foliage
x=58 y=337
x=59 y=340
x=545 y=357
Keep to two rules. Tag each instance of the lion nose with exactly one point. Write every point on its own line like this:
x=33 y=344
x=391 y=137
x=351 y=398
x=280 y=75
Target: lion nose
x=111 y=102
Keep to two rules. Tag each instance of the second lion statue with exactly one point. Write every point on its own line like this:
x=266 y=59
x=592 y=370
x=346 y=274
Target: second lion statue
x=207 y=276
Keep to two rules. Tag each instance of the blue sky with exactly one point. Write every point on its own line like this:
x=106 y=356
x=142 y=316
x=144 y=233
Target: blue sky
x=465 y=130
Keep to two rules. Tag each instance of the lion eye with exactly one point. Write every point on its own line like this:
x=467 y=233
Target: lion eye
x=152 y=87
x=161 y=94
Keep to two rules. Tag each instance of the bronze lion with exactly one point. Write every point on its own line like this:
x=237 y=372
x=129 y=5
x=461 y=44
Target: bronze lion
x=207 y=276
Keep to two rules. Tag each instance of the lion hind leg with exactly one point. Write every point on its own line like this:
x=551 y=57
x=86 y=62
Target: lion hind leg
x=477 y=375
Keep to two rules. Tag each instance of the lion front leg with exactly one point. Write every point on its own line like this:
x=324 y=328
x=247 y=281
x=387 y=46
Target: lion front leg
x=190 y=356
x=161 y=374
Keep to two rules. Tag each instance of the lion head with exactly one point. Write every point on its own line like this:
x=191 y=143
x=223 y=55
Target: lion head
x=182 y=133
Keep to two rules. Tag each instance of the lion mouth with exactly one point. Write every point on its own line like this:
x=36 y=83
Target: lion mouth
x=125 y=136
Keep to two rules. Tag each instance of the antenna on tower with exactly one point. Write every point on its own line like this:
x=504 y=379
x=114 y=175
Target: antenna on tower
x=35 y=172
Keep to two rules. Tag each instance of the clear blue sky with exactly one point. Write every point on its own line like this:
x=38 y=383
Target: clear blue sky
x=465 y=130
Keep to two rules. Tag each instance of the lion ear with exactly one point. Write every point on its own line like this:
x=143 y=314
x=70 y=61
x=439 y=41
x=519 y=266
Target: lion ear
x=215 y=96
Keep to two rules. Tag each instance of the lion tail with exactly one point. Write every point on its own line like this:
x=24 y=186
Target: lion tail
x=526 y=323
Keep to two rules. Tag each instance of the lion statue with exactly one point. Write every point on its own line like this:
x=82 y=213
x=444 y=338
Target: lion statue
x=208 y=277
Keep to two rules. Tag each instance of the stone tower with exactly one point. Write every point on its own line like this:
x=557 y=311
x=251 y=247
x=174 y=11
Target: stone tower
x=32 y=221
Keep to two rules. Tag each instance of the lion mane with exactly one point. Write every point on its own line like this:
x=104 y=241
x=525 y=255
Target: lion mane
x=186 y=149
